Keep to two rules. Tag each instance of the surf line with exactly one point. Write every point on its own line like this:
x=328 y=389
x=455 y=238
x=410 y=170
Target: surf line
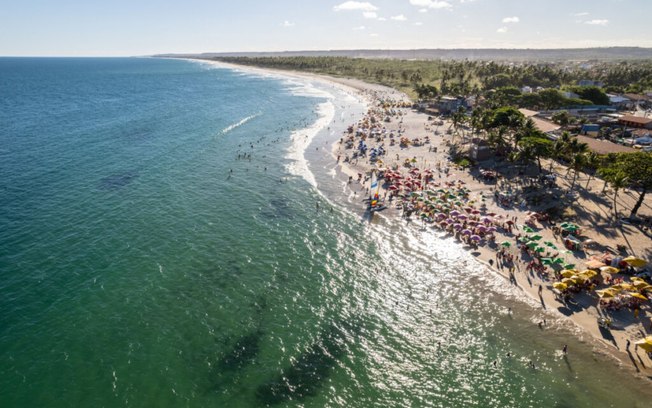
x=238 y=124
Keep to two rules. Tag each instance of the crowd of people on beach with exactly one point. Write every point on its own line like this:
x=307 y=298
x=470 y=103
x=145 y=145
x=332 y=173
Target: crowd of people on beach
x=436 y=197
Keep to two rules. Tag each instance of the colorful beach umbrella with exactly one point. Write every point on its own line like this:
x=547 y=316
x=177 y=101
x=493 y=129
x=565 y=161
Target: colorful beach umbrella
x=605 y=293
x=609 y=269
x=506 y=244
x=645 y=344
x=560 y=285
x=635 y=262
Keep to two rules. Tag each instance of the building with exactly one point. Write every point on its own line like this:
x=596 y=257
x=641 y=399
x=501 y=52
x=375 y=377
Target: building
x=541 y=124
x=448 y=104
x=590 y=130
x=604 y=147
x=621 y=102
x=635 y=122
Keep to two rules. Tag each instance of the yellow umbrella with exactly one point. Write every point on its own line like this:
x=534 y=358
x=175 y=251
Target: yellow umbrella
x=588 y=273
x=637 y=279
x=639 y=284
x=560 y=285
x=627 y=286
x=609 y=269
x=617 y=288
x=636 y=262
x=567 y=273
x=605 y=293
x=637 y=295
x=579 y=278
x=645 y=344
x=572 y=271
x=568 y=281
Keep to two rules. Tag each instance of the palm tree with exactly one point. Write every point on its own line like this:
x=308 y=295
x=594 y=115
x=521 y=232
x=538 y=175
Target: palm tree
x=617 y=181
x=457 y=119
x=592 y=161
x=556 y=151
x=577 y=163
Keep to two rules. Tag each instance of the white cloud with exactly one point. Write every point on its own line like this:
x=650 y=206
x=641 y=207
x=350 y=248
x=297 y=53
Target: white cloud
x=374 y=35
x=370 y=15
x=355 y=5
x=433 y=4
x=400 y=17
x=360 y=28
x=423 y=10
x=597 y=22
x=287 y=24
x=382 y=19
x=418 y=23
x=511 y=19
x=502 y=30
x=582 y=14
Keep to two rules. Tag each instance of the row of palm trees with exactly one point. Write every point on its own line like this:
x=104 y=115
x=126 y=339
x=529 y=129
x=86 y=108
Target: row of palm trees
x=517 y=138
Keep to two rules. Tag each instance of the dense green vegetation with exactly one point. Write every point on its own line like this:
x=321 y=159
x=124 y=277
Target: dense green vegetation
x=496 y=118
x=472 y=77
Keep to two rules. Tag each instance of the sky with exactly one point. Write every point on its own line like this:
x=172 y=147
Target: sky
x=145 y=27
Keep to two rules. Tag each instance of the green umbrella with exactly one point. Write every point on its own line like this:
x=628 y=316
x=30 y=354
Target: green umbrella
x=569 y=266
x=550 y=245
x=558 y=261
x=546 y=261
x=528 y=229
x=506 y=244
x=532 y=245
x=536 y=237
x=539 y=249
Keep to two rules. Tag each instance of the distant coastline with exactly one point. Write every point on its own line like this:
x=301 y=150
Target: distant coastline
x=478 y=54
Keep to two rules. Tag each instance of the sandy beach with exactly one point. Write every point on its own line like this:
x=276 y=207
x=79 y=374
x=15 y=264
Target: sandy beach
x=428 y=140
x=592 y=215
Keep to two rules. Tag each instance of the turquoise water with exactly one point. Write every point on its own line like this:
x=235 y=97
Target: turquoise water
x=146 y=260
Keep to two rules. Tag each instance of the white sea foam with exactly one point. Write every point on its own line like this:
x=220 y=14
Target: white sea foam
x=302 y=138
x=240 y=123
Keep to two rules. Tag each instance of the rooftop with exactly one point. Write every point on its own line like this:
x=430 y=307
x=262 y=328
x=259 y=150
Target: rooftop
x=636 y=119
x=603 y=147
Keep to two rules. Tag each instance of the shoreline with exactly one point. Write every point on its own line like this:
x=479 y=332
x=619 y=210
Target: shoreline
x=417 y=125
x=586 y=319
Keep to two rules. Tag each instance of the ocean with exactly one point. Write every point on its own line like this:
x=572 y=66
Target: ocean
x=176 y=234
